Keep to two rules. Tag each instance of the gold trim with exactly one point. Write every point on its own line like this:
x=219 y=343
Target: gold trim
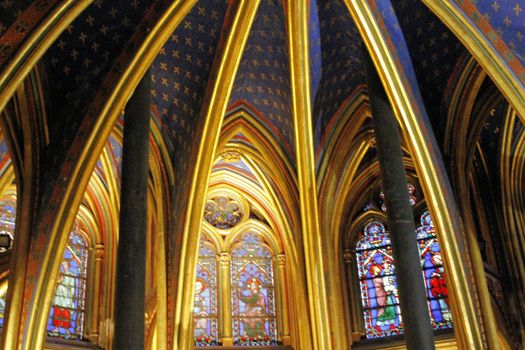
x=461 y=142
x=297 y=29
x=26 y=173
x=86 y=163
x=216 y=108
x=36 y=44
x=468 y=327
x=479 y=46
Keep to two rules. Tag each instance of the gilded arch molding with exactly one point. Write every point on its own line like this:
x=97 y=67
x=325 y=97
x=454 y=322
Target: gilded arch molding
x=470 y=328
x=83 y=167
x=502 y=69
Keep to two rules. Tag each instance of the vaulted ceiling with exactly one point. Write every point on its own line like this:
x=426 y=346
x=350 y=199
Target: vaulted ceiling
x=85 y=61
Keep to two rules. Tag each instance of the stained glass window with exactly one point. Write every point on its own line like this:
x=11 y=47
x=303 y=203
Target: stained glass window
x=66 y=317
x=377 y=282
x=222 y=212
x=378 y=286
x=437 y=291
x=205 y=327
x=3 y=296
x=7 y=222
x=253 y=303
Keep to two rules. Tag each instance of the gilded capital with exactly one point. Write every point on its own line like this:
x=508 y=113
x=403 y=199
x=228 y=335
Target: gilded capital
x=99 y=251
x=281 y=259
x=224 y=259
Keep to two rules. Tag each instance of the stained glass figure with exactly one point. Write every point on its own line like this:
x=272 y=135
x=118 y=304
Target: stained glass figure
x=378 y=286
x=222 y=212
x=253 y=303
x=66 y=318
x=377 y=282
x=432 y=262
x=205 y=329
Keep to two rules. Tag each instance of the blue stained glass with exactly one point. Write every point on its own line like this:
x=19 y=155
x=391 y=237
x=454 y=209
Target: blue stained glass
x=3 y=305
x=251 y=247
x=205 y=320
x=66 y=317
x=253 y=302
x=434 y=273
x=378 y=285
x=7 y=219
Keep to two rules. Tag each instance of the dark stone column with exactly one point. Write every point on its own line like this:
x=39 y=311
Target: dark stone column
x=411 y=286
x=131 y=259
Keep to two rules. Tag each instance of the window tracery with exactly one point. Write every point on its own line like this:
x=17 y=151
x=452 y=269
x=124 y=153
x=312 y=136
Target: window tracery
x=66 y=317
x=205 y=321
x=235 y=279
x=377 y=282
x=222 y=212
x=253 y=302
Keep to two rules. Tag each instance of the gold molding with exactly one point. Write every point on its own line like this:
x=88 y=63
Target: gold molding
x=479 y=46
x=468 y=327
x=298 y=50
x=36 y=44
x=461 y=141
x=37 y=316
x=215 y=110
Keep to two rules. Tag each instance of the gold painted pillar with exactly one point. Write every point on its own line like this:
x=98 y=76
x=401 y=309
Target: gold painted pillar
x=353 y=299
x=225 y=311
x=95 y=305
x=297 y=30
x=283 y=293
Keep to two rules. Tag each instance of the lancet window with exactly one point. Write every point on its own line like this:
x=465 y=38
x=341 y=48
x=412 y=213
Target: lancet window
x=3 y=305
x=66 y=317
x=253 y=302
x=235 y=293
x=205 y=321
x=377 y=282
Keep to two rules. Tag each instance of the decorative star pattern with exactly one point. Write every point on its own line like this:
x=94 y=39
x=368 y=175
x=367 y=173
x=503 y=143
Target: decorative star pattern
x=18 y=21
x=341 y=62
x=82 y=56
x=499 y=22
x=263 y=78
x=434 y=51
x=10 y=10
x=179 y=77
x=507 y=17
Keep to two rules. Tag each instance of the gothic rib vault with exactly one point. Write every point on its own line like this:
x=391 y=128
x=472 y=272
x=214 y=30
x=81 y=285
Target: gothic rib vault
x=280 y=82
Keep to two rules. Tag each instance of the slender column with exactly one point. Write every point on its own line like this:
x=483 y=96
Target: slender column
x=131 y=260
x=285 y=317
x=412 y=294
x=354 y=299
x=95 y=307
x=226 y=304
x=298 y=51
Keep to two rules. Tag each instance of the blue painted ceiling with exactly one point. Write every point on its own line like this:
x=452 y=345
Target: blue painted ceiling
x=180 y=75
x=86 y=53
x=507 y=17
x=434 y=52
x=340 y=67
x=263 y=78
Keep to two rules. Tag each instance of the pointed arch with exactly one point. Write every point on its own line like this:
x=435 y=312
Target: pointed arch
x=485 y=44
